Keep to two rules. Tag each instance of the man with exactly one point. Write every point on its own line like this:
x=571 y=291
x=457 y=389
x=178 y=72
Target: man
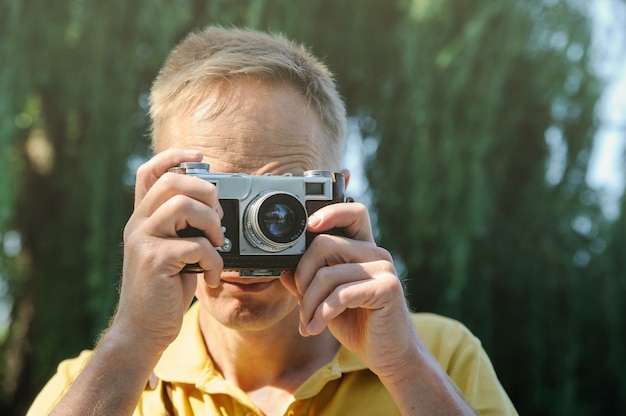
x=333 y=337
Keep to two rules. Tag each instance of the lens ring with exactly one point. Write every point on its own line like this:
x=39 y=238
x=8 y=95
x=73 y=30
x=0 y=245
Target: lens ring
x=274 y=221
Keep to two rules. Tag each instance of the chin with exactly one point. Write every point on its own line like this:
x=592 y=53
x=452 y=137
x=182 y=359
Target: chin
x=245 y=313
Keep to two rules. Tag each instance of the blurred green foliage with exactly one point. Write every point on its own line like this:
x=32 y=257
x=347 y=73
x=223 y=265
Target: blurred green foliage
x=468 y=102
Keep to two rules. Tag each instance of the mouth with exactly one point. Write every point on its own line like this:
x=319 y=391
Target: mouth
x=248 y=285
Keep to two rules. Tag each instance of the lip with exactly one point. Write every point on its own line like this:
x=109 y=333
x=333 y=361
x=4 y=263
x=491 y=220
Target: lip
x=247 y=285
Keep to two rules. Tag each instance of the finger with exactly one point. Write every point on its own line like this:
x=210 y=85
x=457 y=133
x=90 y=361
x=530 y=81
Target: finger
x=196 y=250
x=353 y=218
x=168 y=256
x=152 y=170
x=180 y=212
x=213 y=275
x=366 y=292
x=189 y=282
x=329 y=250
x=171 y=184
x=326 y=280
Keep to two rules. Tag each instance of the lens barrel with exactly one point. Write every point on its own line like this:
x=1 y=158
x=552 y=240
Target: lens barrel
x=274 y=220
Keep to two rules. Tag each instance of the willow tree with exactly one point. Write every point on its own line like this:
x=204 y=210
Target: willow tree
x=462 y=97
x=74 y=77
x=482 y=195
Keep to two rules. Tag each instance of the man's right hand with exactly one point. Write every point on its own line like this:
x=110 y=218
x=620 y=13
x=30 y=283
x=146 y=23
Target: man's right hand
x=154 y=294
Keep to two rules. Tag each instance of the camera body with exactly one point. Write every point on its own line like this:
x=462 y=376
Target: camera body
x=265 y=217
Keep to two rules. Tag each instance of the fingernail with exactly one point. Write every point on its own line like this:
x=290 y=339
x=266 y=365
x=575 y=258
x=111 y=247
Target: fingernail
x=314 y=220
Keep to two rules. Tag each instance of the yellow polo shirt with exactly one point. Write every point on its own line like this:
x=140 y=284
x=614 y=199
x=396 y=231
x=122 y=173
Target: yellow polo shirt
x=186 y=381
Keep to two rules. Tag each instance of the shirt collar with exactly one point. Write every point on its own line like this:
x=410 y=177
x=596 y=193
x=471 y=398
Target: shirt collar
x=186 y=360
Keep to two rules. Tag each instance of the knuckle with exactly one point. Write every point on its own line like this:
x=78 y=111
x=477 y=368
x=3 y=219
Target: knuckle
x=325 y=274
x=320 y=240
x=179 y=203
x=169 y=179
x=381 y=253
x=210 y=190
x=361 y=209
x=341 y=295
x=151 y=257
x=128 y=231
x=131 y=230
x=392 y=284
x=144 y=171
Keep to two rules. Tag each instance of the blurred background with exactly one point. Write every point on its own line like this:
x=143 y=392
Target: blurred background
x=487 y=137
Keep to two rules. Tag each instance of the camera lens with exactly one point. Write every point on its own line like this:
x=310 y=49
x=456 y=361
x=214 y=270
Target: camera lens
x=274 y=221
x=278 y=222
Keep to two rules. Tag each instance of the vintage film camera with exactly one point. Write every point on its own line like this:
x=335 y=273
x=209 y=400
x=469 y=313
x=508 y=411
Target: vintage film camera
x=265 y=217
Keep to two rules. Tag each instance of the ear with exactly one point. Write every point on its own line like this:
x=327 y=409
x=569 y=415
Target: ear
x=346 y=175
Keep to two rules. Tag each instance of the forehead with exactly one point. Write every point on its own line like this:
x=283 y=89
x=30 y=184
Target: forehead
x=253 y=127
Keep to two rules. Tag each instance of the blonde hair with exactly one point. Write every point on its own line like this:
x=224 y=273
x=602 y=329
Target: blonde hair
x=216 y=54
